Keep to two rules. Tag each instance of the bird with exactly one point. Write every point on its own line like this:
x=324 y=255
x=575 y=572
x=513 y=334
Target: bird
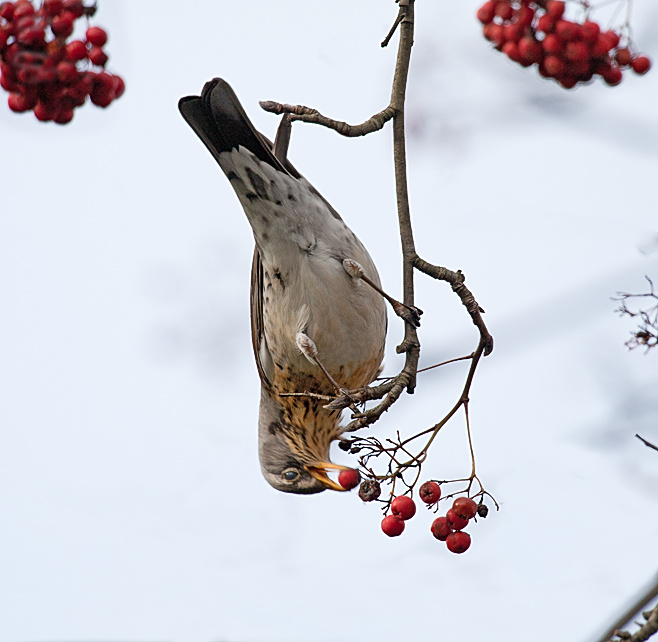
x=318 y=321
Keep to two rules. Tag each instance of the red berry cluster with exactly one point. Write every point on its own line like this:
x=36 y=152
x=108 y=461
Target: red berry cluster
x=536 y=32
x=45 y=73
x=448 y=529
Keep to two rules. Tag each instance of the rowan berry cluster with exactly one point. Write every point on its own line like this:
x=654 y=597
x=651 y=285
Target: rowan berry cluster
x=448 y=529
x=45 y=73
x=570 y=52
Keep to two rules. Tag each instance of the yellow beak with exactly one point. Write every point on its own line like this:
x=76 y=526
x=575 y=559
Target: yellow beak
x=320 y=473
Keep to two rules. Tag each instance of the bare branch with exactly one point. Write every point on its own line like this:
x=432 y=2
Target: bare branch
x=647 y=443
x=456 y=280
x=645 y=631
x=309 y=115
x=647 y=333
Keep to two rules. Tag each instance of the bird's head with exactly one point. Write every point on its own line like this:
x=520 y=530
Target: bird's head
x=294 y=451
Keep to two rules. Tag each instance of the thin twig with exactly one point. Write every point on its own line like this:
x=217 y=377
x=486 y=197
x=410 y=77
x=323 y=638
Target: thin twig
x=647 y=443
x=309 y=115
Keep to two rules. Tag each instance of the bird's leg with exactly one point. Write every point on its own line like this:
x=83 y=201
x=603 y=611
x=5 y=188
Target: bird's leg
x=282 y=139
x=409 y=313
x=310 y=351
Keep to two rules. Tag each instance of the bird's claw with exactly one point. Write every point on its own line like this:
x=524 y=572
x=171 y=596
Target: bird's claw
x=409 y=313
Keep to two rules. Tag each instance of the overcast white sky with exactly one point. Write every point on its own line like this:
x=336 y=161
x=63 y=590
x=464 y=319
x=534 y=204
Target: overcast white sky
x=131 y=502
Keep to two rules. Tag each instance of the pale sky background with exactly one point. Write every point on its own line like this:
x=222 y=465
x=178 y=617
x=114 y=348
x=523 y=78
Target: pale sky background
x=131 y=502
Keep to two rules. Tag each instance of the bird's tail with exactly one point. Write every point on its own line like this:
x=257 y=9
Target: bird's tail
x=221 y=123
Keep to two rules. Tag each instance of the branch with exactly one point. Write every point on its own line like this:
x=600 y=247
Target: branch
x=647 y=443
x=456 y=280
x=647 y=333
x=646 y=630
x=310 y=115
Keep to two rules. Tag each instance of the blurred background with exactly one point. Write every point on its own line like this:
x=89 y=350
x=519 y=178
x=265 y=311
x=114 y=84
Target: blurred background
x=131 y=501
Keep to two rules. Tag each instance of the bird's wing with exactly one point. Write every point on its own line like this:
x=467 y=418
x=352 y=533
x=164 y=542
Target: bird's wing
x=221 y=123
x=261 y=353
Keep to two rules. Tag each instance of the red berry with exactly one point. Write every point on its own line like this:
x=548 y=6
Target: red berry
x=612 y=38
x=458 y=542
x=511 y=50
x=623 y=57
x=96 y=36
x=524 y=16
x=392 y=525
x=430 y=492
x=349 y=478
x=64 y=116
x=579 y=68
x=22 y=9
x=66 y=71
x=76 y=50
x=553 y=65
x=8 y=83
x=28 y=75
x=101 y=97
x=497 y=33
x=552 y=44
x=19 y=102
x=555 y=8
x=530 y=49
x=590 y=31
x=44 y=112
x=98 y=57
x=403 y=507
x=545 y=23
x=576 y=51
x=512 y=31
x=641 y=65
x=568 y=82
x=81 y=89
x=601 y=47
x=75 y=7
x=53 y=7
x=486 y=12
x=32 y=37
x=455 y=521
x=504 y=11
x=62 y=25
x=119 y=88
x=7 y=10
x=465 y=507
x=369 y=489
x=567 y=30
x=612 y=75
x=24 y=22
x=440 y=528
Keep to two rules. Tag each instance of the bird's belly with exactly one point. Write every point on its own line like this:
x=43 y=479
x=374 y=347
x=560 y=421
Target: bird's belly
x=345 y=318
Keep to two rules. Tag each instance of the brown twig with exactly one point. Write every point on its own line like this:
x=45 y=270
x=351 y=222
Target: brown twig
x=309 y=115
x=647 y=443
x=647 y=629
x=647 y=333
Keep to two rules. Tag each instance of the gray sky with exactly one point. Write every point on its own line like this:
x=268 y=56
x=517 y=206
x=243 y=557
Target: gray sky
x=131 y=502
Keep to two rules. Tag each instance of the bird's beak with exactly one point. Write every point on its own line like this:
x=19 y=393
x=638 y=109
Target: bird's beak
x=320 y=473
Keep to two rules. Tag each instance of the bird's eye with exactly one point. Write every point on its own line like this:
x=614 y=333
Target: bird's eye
x=290 y=475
